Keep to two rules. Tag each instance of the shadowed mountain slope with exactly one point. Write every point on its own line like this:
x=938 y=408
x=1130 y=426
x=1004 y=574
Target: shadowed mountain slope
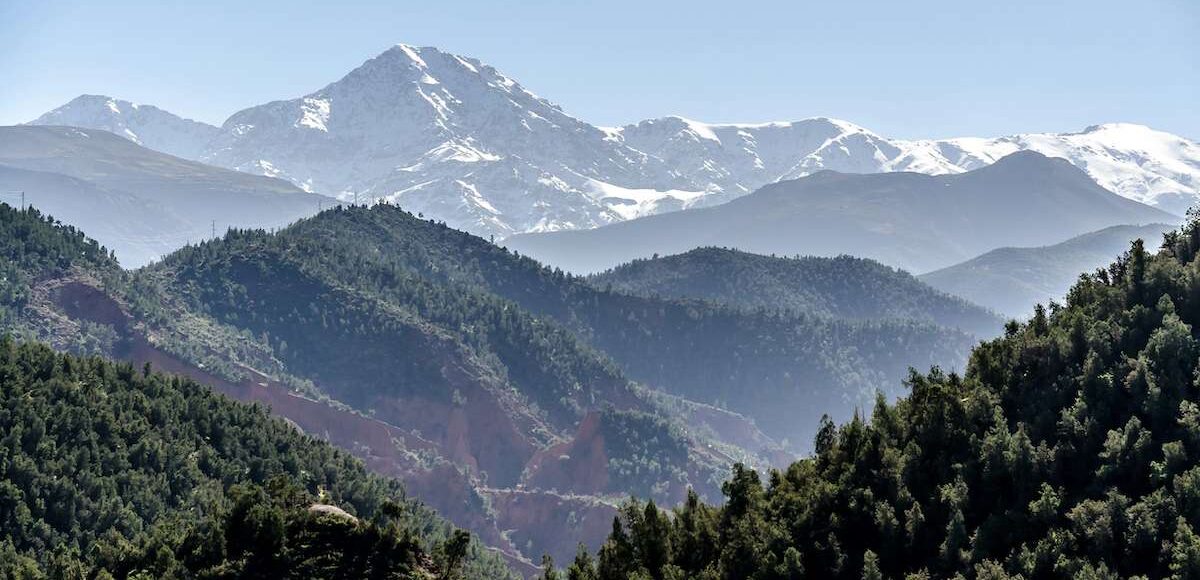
x=140 y=203
x=843 y=287
x=1013 y=280
x=907 y=220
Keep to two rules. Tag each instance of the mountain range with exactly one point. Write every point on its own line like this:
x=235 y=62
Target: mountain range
x=452 y=138
x=526 y=403
x=121 y=472
x=1068 y=449
x=913 y=221
x=519 y=401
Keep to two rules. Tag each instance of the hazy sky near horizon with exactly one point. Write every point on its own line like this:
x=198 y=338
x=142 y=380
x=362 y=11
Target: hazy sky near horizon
x=908 y=69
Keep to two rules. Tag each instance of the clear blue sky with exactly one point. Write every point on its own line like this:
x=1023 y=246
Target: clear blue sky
x=911 y=68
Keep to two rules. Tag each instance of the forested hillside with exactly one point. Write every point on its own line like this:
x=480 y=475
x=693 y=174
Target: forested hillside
x=842 y=287
x=109 y=471
x=1067 y=450
x=31 y=244
x=34 y=247
x=382 y=338
x=779 y=368
x=472 y=373
x=457 y=393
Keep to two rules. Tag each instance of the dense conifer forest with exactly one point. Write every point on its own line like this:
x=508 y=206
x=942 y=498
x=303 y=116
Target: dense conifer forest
x=231 y=308
x=842 y=287
x=107 y=471
x=417 y=322
x=1067 y=449
x=567 y=342
x=31 y=245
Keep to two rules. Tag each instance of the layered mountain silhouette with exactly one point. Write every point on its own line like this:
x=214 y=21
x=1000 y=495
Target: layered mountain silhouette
x=842 y=287
x=1012 y=280
x=515 y=399
x=145 y=125
x=139 y=203
x=908 y=220
x=453 y=138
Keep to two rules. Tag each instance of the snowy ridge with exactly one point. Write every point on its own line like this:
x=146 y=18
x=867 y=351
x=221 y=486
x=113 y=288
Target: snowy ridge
x=1138 y=162
x=1153 y=167
x=452 y=138
x=455 y=139
x=145 y=125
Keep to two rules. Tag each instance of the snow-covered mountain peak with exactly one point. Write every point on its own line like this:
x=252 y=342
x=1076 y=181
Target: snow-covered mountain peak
x=96 y=103
x=846 y=126
x=1136 y=161
x=454 y=138
x=421 y=57
x=143 y=124
x=412 y=52
x=439 y=76
x=449 y=136
x=406 y=63
x=696 y=128
x=736 y=158
x=1118 y=127
x=1132 y=136
x=100 y=103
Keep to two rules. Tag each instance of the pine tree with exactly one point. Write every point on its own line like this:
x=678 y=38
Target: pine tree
x=548 y=571
x=583 y=567
x=616 y=555
x=1185 y=552
x=870 y=569
x=652 y=539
